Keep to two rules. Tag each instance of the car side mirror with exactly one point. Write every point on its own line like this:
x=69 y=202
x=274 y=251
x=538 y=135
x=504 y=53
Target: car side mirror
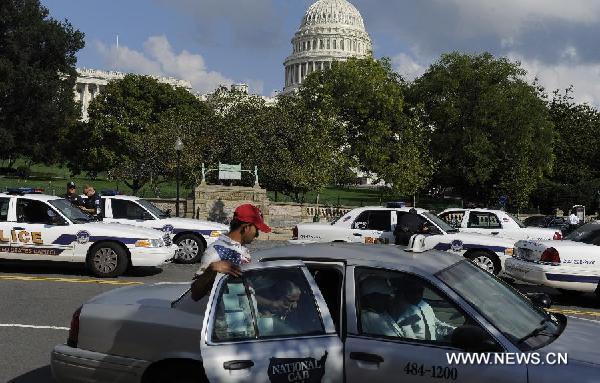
x=168 y=212
x=472 y=338
x=540 y=299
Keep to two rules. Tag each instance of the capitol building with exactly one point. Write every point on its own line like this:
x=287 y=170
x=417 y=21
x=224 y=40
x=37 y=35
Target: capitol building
x=331 y=30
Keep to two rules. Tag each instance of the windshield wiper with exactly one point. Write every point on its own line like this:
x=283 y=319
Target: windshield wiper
x=540 y=330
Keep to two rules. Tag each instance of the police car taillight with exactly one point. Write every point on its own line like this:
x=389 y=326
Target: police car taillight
x=74 y=330
x=550 y=255
x=557 y=236
x=24 y=190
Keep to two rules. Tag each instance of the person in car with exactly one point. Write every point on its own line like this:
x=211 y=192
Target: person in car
x=375 y=298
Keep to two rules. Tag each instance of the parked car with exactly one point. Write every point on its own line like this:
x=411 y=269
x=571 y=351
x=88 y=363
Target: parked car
x=572 y=264
x=318 y=313
x=377 y=224
x=192 y=236
x=38 y=227
x=497 y=223
x=549 y=221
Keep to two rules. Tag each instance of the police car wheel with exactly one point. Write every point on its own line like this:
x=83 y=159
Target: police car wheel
x=107 y=260
x=484 y=261
x=190 y=249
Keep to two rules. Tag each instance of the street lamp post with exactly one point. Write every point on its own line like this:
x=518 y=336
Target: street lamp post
x=178 y=149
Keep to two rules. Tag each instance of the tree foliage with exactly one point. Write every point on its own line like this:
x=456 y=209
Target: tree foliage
x=133 y=125
x=379 y=132
x=37 y=76
x=491 y=131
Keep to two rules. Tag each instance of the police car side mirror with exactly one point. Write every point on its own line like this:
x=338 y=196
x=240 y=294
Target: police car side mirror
x=472 y=338
x=168 y=212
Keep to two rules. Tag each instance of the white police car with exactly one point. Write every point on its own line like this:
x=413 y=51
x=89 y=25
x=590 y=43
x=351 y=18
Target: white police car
x=497 y=223
x=34 y=226
x=377 y=224
x=191 y=235
x=311 y=314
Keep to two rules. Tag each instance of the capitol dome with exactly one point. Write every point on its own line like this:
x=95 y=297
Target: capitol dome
x=330 y=30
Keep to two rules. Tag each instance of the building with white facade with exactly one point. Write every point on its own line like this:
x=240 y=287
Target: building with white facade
x=330 y=30
x=91 y=81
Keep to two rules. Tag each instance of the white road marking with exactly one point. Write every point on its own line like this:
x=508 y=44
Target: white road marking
x=32 y=326
x=585 y=319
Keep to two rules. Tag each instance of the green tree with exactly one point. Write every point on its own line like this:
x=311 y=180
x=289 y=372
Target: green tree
x=37 y=76
x=378 y=130
x=491 y=131
x=132 y=128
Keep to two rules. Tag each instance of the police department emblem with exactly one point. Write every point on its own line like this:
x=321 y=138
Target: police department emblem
x=456 y=245
x=83 y=237
x=168 y=229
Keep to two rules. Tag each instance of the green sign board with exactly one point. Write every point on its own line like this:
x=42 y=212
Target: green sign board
x=230 y=172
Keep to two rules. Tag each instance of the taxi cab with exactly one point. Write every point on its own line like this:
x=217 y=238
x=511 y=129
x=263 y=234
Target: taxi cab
x=324 y=313
x=192 y=236
x=34 y=226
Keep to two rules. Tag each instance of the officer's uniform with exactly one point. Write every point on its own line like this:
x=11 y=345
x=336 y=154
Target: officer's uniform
x=94 y=202
x=74 y=199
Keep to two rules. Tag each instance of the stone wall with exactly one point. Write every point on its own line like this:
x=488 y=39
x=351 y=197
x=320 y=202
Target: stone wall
x=286 y=215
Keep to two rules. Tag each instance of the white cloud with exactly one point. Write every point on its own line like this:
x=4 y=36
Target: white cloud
x=585 y=77
x=408 y=67
x=158 y=58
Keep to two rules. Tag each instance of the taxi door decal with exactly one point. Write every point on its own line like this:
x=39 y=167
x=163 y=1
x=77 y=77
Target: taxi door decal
x=305 y=370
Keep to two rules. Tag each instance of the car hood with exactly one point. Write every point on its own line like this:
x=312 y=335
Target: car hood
x=579 y=340
x=192 y=224
x=120 y=230
x=155 y=295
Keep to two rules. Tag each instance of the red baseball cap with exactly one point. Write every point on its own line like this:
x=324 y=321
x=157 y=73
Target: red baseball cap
x=251 y=214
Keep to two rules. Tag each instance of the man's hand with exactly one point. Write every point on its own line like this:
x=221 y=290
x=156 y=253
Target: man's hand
x=225 y=267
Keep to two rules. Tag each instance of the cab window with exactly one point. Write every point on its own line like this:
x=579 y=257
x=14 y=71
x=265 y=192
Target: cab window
x=4 y=209
x=124 y=209
x=483 y=220
x=32 y=211
x=402 y=306
x=380 y=220
x=266 y=304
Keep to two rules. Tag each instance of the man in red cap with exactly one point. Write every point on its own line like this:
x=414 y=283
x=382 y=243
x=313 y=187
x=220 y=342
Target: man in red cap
x=229 y=252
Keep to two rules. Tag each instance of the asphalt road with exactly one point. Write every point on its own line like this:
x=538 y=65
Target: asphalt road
x=37 y=302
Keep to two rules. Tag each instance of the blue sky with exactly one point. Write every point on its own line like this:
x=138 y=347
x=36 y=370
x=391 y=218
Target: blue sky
x=210 y=42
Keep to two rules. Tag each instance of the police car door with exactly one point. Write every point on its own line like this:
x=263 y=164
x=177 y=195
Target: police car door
x=5 y=226
x=271 y=325
x=39 y=231
x=373 y=226
x=409 y=345
x=127 y=212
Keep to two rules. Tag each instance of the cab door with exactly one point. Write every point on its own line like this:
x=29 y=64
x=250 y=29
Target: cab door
x=40 y=232
x=270 y=325
x=5 y=227
x=410 y=345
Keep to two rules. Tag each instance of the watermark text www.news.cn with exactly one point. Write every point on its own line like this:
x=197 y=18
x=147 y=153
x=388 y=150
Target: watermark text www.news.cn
x=508 y=358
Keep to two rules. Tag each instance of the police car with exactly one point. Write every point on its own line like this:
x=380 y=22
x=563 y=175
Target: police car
x=495 y=222
x=34 y=226
x=191 y=235
x=571 y=265
x=376 y=225
x=326 y=313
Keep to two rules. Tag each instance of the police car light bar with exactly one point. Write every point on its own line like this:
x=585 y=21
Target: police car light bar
x=110 y=193
x=24 y=190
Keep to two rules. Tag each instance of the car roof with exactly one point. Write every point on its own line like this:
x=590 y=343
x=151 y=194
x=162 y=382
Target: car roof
x=127 y=197
x=38 y=197
x=474 y=209
x=429 y=262
x=418 y=209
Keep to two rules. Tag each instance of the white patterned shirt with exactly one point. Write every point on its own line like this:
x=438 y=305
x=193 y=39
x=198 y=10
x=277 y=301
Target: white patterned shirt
x=224 y=249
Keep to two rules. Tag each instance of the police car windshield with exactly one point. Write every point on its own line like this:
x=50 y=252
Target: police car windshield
x=589 y=234
x=72 y=212
x=439 y=222
x=510 y=312
x=152 y=208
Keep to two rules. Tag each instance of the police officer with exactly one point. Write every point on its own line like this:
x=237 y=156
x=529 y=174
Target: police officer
x=407 y=226
x=72 y=195
x=93 y=203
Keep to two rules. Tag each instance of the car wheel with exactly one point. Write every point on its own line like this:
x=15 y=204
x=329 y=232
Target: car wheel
x=485 y=261
x=106 y=260
x=190 y=249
